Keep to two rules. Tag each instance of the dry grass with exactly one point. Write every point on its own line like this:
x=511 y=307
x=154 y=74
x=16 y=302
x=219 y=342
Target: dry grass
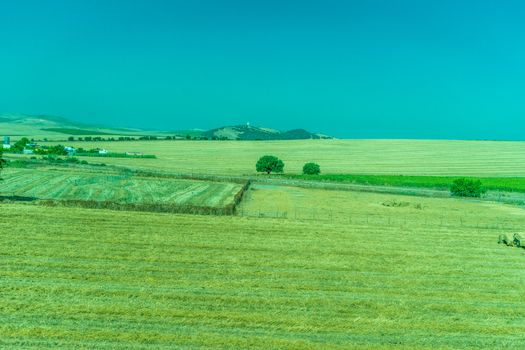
x=119 y=188
x=408 y=157
x=119 y=280
x=371 y=209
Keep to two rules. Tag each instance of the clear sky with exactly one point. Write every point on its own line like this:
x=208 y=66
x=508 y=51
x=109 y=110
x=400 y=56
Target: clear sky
x=372 y=69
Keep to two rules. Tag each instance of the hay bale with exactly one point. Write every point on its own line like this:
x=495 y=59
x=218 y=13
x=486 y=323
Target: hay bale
x=504 y=239
x=518 y=241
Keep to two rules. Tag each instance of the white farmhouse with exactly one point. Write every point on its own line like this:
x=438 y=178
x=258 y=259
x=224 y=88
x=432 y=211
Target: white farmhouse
x=7 y=142
x=70 y=150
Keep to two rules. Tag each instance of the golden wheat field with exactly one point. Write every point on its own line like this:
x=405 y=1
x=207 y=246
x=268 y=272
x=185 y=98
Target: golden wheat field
x=88 y=185
x=133 y=280
x=295 y=268
x=408 y=157
x=337 y=206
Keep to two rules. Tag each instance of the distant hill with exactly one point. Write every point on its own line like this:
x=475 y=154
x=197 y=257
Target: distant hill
x=247 y=132
x=50 y=126
x=53 y=128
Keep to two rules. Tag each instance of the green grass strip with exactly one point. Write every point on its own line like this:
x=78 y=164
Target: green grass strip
x=512 y=184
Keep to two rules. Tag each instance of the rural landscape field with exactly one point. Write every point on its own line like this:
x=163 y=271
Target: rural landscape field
x=288 y=175
x=405 y=157
x=374 y=260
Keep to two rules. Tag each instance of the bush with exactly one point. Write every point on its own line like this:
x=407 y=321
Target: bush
x=20 y=144
x=17 y=163
x=517 y=240
x=311 y=169
x=269 y=164
x=71 y=160
x=504 y=239
x=466 y=188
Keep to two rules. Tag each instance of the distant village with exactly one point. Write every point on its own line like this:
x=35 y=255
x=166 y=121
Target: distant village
x=26 y=146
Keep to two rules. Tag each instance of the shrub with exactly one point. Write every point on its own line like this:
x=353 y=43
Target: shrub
x=311 y=169
x=20 y=144
x=504 y=239
x=269 y=164
x=71 y=160
x=17 y=163
x=517 y=240
x=466 y=188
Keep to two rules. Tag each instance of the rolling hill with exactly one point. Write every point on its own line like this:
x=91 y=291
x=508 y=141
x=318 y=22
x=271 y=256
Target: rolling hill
x=247 y=132
x=56 y=128
x=53 y=126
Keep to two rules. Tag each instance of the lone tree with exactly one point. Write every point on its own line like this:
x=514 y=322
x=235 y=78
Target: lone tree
x=311 y=169
x=464 y=187
x=269 y=164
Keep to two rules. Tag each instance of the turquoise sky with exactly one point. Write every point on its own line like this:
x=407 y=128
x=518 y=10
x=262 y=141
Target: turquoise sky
x=373 y=69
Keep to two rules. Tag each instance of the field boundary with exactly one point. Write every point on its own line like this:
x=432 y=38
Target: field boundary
x=229 y=209
x=146 y=207
x=508 y=197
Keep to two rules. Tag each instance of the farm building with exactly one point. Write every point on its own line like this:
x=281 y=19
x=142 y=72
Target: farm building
x=102 y=151
x=70 y=150
x=7 y=142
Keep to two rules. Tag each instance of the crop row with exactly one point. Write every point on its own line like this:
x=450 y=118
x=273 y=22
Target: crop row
x=118 y=188
x=150 y=281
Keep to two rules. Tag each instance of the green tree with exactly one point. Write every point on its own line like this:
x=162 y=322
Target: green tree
x=269 y=164
x=71 y=138
x=464 y=187
x=58 y=150
x=21 y=144
x=311 y=169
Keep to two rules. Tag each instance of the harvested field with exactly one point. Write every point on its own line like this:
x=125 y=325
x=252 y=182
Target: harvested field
x=122 y=280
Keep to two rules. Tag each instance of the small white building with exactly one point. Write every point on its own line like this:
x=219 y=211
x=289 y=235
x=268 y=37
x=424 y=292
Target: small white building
x=102 y=151
x=27 y=151
x=7 y=142
x=70 y=150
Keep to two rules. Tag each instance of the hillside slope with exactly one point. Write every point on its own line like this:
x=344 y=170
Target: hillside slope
x=52 y=126
x=247 y=132
x=56 y=128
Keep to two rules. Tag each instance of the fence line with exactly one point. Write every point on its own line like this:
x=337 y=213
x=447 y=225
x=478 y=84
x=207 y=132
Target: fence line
x=370 y=219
